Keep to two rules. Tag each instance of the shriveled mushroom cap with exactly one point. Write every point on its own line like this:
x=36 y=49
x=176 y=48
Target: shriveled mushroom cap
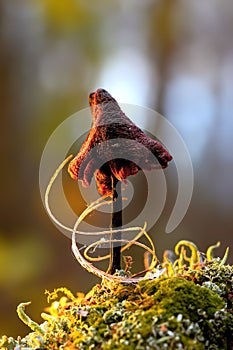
x=115 y=146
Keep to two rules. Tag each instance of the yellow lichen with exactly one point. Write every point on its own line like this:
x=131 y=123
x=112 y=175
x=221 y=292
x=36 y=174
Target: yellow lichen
x=192 y=309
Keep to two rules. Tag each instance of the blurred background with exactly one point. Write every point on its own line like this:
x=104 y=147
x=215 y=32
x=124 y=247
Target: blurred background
x=174 y=56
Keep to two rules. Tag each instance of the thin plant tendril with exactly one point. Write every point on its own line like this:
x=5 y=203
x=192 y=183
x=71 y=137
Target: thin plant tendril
x=85 y=259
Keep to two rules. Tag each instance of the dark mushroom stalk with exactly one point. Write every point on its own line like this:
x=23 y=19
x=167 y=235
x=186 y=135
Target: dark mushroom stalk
x=116 y=222
x=114 y=149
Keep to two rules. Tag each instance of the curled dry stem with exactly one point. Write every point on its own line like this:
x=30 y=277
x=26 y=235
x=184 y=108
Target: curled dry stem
x=85 y=259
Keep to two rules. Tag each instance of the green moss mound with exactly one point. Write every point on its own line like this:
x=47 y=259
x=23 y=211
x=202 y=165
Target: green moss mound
x=185 y=304
x=164 y=313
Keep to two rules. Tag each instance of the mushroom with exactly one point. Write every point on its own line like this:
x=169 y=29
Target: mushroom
x=114 y=149
x=109 y=137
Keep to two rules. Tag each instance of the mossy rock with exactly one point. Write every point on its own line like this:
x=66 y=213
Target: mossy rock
x=186 y=304
x=163 y=313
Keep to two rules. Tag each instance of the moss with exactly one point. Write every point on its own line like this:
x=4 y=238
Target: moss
x=187 y=296
x=192 y=309
x=171 y=313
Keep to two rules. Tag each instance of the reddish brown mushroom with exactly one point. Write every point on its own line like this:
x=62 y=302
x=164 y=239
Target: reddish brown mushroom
x=115 y=147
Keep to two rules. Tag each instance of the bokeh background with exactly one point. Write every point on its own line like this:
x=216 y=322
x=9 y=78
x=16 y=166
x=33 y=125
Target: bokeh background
x=174 y=56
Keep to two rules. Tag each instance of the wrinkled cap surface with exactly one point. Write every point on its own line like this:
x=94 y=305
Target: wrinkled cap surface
x=115 y=146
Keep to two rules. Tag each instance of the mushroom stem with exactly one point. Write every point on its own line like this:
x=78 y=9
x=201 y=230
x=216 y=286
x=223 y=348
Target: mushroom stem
x=116 y=222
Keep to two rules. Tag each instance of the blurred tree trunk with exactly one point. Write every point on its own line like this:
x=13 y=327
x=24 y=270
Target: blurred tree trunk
x=162 y=44
x=9 y=140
